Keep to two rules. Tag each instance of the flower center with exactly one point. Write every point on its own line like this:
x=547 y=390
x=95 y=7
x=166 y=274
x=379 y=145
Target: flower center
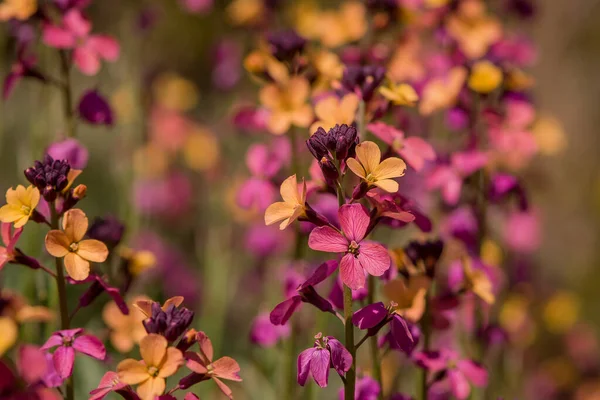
x=26 y=210
x=370 y=178
x=152 y=371
x=353 y=248
x=73 y=247
x=67 y=341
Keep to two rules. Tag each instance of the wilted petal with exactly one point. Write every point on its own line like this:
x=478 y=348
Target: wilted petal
x=284 y=310
x=319 y=366
x=64 y=358
x=325 y=238
x=370 y=316
x=351 y=272
x=354 y=220
x=401 y=334
x=227 y=368
x=304 y=360
x=374 y=258
x=341 y=359
x=90 y=345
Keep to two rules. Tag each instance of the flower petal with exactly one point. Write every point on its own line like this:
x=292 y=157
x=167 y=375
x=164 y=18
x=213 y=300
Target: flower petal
x=401 y=334
x=196 y=362
x=92 y=250
x=369 y=316
x=91 y=346
x=351 y=272
x=10 y=333
x=354 y=220
x=227 y=368
x=77 y=268
x=369 y=155
x=289 y=190
x=63 y=359
x=459 y=384
x=325 y=238
x=87 y=60
x=284 y=310
x=153 y=348
x=341 y=359
x=392 y=167
x=171 y=363
x=356 y=167
x=132 y=371
x=303 y=364
x=205 y=344
x=151 y=388
x=76 y=23
x=10 y=213
x=58 y=37
x=474 y=372
x=75 y=224
x=319 y=366
x=57 y=243
x=224 y=388
x=389 y=185
x=53 y=341
x=374 y=258
x=107 y=47
x=278 y=212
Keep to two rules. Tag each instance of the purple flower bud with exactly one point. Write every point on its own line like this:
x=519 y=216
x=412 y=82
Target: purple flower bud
x=363 y=79
x=23 y=259
x=108 y=230
x=49 y=176
x=94 y=109
x=401 y=334
x=170 y=323
x=286 y=45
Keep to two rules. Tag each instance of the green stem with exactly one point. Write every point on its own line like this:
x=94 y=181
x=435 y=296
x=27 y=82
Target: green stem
x=349 y=385
x=426 y=329
x=360 y=120
x=62 y=296
x=67 y=94
x=291 y=364
x=373 y=345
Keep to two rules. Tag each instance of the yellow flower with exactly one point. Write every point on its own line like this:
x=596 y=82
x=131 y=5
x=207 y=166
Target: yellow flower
x=400 y=94
x=562 y=312
x=18 y=9
x=126 y=330
x=332 y=111
x=291 y=208
x=329 y=68
x=10 y=332
x=369 y=167
x=175 y=92
x=69 y=244
x=159 y=362
x=21 y=204
x=348 y=24
x=287 y=105
x=485 y=77
x=441 y=93
x=477 y=281
x=260 y=64
x=245 y=12
x=138 y=261
x=201 y=150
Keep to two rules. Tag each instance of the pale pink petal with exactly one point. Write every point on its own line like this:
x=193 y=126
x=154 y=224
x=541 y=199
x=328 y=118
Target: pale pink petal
x=105 y=46
x=75 y=22
x=90 y=345
x=416 y=151
x=63 y=359
x=303 y=364
x=86 y=59
x=227 y=368
x=57 y=37
x=469 y=162
x=352 y=272
x=459 y=384
x=474 y=372
x=319 y=366
x=354 y=220
x=224 y=388
x=5 y=229
x=325 y=238
x=374 y=258
x=31 y=364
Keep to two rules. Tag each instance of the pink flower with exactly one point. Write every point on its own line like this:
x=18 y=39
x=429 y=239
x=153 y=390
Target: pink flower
x=449 y=178
x=358 y=256
x=265 y=333
x=316 y=361
x=71 y=150
x=69 y=341
x=522 y=232
x=109 y=383
x=88 y=49
x=10 y=238
x=414 y=150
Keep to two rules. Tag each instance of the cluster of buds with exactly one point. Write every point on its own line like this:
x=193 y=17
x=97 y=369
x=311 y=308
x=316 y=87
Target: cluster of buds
x=337 y=144
x=50 y=176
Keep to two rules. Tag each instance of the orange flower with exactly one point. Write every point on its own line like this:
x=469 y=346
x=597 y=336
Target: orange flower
x=291 y=208
x=368 y=166
x=69 y=244
x=409 y=298
x=126 y=330
x=287 y=105
x=348 y=24
x=332 y=111
x=18 y=9
x=442 y=92
x=159 y=362
x=485 y=77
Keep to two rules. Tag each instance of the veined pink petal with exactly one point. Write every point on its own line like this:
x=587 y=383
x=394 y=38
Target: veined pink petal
x=227 y=368
x=76 y=23
x=354 y=220
x=459 y=384
x=319 y=366
x=63 y=359
x=374 y=258
x=58 y=37
x=206 y=347
x=369 y=316
x=91 y=346
x=325 y=238
x=196 y=363
x=223 y=387
x=87 y=60
x=352 y=272
x=474 y=372
x=304 y=360
x=341 y=359
x=105 y=46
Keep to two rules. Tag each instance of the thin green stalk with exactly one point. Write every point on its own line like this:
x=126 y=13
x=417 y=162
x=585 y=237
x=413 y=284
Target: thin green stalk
x=373 y=345
x=291 y=364
x=67 y=94
x=426 y=330
x=62 y=297
x=349 y=385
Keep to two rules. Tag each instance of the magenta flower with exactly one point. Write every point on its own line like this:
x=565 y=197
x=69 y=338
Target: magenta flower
x=71 y=150
x=266 y=334
x=68 y=342
x=10 y=238
x=359 y=256
x=94 y=108
x=397 y=210
x=375 y=316
x=316 y=361
x=414 y=150
x=367 y=388
x=22 y=68
x=522 y=231
x=88 y=49
x=370 y=316
x=449 y=178
x=460 y=373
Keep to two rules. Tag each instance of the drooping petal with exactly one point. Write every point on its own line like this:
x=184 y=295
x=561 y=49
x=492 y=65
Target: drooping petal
x=132 y=371
x=75 y=224
x=57 y=243
x=354 y=220
x=107 y=47
x=369 y=316
x=92 y=250
x=196 y=362
x=322 y=272
x=459 y=384
x=171 y=363
x=369 y=155
x=151 y=388
x=284 y=310
x=351 y=272
x=227 y=368
x=91 y=346
x=304 y=360
x=153 y=348
x=77 y=267
x=319 y=366
x=224 y=388
x=205 y=344
x=374 y=258
x=341 y=359
x=392 y=167
x=325 y=238
x=64 y=358
x=401 y=334
x=389 y=185
x=356 y=167
x=474 y=372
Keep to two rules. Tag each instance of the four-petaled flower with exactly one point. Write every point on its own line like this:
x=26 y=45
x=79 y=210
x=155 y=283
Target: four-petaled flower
x=291 y=208
x=159 y=362
x=88 y=49
x=287 y=105
x=332 y=111
x=359 y=256
x=126 y=330
x=368 y=166
x=202 y=363
x=69 y=243
x=69 y=341
x=327 y=352
x=21 y=204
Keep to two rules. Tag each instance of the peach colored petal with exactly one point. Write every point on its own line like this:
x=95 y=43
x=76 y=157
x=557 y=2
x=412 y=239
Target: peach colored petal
x=369 y=155
x=303 y=116
x=298 y=211
x=175 y=300
x=153 y=349
x=132 y=372
x=289 y=190
x=77 y=267
x=388 y=185
x=270 y=96
x=9 y=334
x=171 y=363
x=390 y=168
x=145 y=307
x=57 y=243
x=121 y=341
x=326 y=108
x=298 y=90
x=356 y=167
x=92 y=250
x=151 y=388
x=279 y=122
x=348 y=107
x=277 y=212
x=75 y=224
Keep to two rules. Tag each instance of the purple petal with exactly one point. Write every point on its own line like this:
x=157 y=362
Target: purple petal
x=321 y=273
x=341 y=359
x=91 y=346
x=354 y=220
x=310 y=295
x=304 y=360
x=94 y=109
x=401 y=334
x=71 y=150
x=265 y=333
x=284 y=310
x=64 y=358
x=369 y=316
x=8 y=381
x=431 y=360
x=319 y=366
